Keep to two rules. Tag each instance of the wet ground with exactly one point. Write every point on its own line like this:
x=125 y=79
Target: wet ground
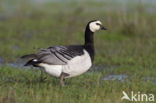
x=95 y=68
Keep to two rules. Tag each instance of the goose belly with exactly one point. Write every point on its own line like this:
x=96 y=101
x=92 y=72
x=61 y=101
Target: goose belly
x=78 y=65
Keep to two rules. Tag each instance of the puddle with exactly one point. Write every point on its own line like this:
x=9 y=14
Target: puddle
x=19 y=65
x=1 y=60
x=16 y=65
x=121 y=77
x=101 y=68
x=152 y=79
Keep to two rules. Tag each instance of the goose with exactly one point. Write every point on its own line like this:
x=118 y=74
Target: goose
x=67 y=61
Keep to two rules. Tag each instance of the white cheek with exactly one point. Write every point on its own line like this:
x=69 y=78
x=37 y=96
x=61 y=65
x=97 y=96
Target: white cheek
x=93 y=27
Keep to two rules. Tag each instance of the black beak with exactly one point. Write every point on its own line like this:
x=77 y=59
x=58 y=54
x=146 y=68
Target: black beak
x=102 y=27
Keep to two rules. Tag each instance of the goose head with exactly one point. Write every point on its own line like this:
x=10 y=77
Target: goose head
x=95 y=25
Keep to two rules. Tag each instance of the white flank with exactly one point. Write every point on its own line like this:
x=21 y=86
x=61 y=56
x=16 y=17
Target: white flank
x=54 y=70
x=78 y=65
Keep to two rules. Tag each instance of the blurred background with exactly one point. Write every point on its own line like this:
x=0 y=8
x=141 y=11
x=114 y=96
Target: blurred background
x=26 y=25
x=125 y=53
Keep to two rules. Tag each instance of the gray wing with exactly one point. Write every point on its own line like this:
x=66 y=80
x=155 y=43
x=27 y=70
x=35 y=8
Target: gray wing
x=58 y=55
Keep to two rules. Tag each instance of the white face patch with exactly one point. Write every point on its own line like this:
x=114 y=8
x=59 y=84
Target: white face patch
x=94 y=27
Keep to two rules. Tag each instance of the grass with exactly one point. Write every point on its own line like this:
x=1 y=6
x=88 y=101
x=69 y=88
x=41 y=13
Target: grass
x=85 y=88
x=128 y=45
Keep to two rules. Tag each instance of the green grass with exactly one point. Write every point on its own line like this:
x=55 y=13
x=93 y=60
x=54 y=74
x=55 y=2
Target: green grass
x=25 y=86
x=127 y=47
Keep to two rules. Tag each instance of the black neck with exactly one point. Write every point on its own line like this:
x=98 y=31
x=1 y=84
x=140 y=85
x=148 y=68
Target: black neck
x=89 y=37
x=89 y=42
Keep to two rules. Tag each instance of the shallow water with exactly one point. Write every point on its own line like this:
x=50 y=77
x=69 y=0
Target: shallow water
x=120 y=77
x=153 y=79
x=1 y=60
x=15 y=65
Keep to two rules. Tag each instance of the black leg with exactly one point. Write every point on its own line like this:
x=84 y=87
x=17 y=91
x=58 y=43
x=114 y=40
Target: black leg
x=62 y=78
x=42 y=78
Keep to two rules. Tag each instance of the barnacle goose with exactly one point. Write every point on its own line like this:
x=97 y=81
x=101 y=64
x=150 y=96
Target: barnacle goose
x=67 y=61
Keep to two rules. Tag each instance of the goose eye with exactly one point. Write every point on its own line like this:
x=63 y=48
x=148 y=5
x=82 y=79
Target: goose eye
x=97 y=24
